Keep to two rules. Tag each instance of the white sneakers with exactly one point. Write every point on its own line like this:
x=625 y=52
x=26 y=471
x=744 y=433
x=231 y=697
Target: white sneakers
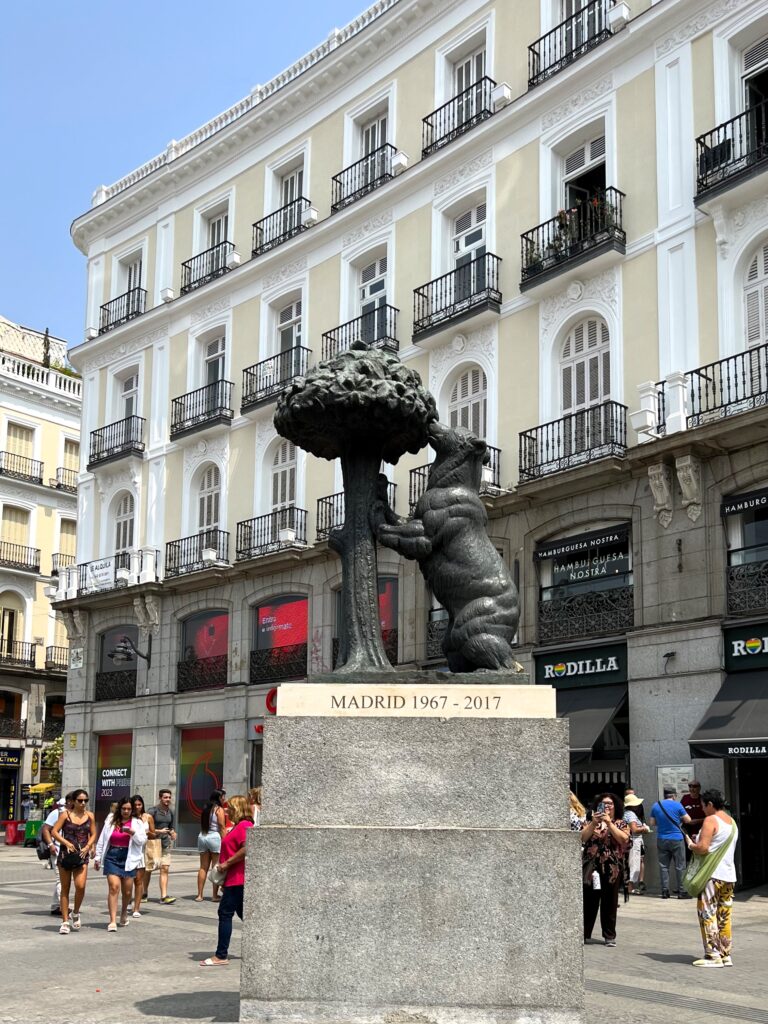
x=708 y=962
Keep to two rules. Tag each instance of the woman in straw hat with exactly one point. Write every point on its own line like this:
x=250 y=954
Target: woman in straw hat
x=633 y=815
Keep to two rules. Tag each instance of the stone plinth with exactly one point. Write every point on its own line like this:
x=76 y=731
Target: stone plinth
x=410 y=871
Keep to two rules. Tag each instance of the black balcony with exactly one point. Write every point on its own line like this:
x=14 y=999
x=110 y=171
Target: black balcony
x=206 y=407
x=12 y=728
x=60 y=562
x=376 y=328
x=279 y=226
x=572 y=237
x=17 y=654
x=330 y=511
x=264 y=381
x=200 y=551
x=66 y=480
x=568 y=41
x=18 y=467
x=103 y=574
x=747 y=580
x=490 y=483
x=53 y=729
x=275 y=664
x=574 y=440
x=389 y=642
x=206 y=266
x=728 y=387
x=57 y=658
x=116 y=441
x=362 y=177
x=119 y=685
x=565 y=616
x=122 y=309
x=733 y=152
x=437 y=627
x=201 y=674
x=457 y=116
x=462 y=293
x=18 y=556
x=263 y=535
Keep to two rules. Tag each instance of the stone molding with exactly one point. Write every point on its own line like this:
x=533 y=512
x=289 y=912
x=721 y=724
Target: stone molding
x=577 y=102
x=660 y=479
x=702 y=21
x=127 y=348
x=462 y=173
x=481 y=342
x=604 y=288
x=211 y=309
x=214 y=450
x=368 y=227
x=286 y=272
x=688 y=469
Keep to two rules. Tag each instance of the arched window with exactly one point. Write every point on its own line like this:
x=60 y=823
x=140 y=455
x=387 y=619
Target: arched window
x=468 y=404
x=756 y=299
x=585 y=366
x=284 y=476
x=124 y=514
x=208 y=500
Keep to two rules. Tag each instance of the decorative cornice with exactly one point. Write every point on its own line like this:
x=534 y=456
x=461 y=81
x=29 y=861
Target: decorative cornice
x=603 y=288
x=481 y=342
x=211 y=309
x=367 y=228
x=107 y=356
x=213 y=448
x=696 y=25
x=462 y=173
x=576 y=102
x=286 y=272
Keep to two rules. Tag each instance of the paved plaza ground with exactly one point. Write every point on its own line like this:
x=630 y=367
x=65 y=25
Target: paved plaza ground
x=149 y=971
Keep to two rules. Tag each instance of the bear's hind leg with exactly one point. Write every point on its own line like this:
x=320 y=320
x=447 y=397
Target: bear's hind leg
x=484 y=650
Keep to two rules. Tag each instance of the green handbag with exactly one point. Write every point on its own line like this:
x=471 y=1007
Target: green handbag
x=702 y=867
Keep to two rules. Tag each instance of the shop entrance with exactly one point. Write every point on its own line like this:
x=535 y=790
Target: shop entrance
x=747 y=778
x=8 y=783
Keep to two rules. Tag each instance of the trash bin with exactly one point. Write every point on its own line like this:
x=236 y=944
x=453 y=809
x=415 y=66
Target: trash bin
x=32 y=832
x=14 y=832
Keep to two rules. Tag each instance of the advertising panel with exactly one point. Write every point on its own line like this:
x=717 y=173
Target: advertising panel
x=201 y=770
x=584 y=666
x=113 y=772
x=746 y=647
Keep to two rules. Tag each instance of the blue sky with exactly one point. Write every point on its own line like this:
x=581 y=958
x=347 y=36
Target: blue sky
x=90 y=89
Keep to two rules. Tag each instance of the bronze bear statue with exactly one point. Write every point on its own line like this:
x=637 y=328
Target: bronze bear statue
x=447 y=537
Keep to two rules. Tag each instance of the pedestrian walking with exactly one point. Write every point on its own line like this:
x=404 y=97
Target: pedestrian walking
x=212 y=828
x=232 y=860
x=254 y=795
x=120 y=850
x=53 y=848
x=605 y=840
x=75 y=832
x=668 y=817
x=633 y=805
x=159 y=856
x=140 y=812
x=714 y=867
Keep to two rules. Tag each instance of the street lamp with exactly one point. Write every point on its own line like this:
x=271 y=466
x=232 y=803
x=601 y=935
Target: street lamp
x=126 y=650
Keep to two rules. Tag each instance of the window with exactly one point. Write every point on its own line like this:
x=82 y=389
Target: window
x=8 y=624
x=284 y=476
x=373 y=135
x=373 y=300
x=71 y=455
x=469 y=245
x=215 y=352
x=123 y=524
x=585 y=367
x=205 y=635
x=68 y=537
x=129 y=396
x=756 y=299
x=289 y=326
x=584 y=173
x=291 y=190
x=281 y=623
x=15 y=525
x=756 y=85
x=109 y=642
x=208 y=500
x=388 y=593
x=131 y=272
x=20 y=440
x=468 y=402
x=217 y=225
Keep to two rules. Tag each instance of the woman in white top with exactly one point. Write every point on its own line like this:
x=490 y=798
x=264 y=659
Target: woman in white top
x=121 y=850
x=716 y=901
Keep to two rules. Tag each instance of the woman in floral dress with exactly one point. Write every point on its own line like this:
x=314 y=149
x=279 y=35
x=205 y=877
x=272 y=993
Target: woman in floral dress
x=605 y=840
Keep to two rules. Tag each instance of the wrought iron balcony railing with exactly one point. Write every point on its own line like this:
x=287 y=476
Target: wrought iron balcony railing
x=491 y=481
x=265 y=380
x=206 y=266
x=747 y=580
x=122 y=309
x=362 y=177
x=17 y=653
x=285 y=528
x=13 y=728
x=593 y=613
x=201 y=674
x=120 y=685
x=389 y=642
x=57 y=658
x=200 y=551
x=568 y=41
x=376 y=328
x=330 y=511
x=462 y=292
x=728 y=386
x=735 y=150
x=52 y=729
x=278 y=227
x=18 y=467
x=19 y=556
x=573 y=440
x=202 y=408
x=457 y=116
x=60 y=561
x=276 y=664
x=66 y=480
x=103 y=574
x=573 y=236
x=117 y=440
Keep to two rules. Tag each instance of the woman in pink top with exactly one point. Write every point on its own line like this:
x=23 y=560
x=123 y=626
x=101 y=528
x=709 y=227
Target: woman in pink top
x=232 y=860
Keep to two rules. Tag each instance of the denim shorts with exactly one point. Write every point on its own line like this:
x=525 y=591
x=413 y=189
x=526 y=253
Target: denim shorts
x=209 y=842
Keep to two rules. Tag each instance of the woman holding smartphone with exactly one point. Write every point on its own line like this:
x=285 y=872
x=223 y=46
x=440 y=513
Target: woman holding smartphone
x=606 y=840
x=120 y=848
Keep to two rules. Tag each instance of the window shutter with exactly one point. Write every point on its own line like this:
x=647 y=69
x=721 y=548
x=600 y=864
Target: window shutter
x=597 y=148
x=71 y=455
x=68 y=537
x=20 y=440
x=575 y=160
x=756 y=300
x=585 y=371
x=15 y=525
x=567 y=384
x=756 y=55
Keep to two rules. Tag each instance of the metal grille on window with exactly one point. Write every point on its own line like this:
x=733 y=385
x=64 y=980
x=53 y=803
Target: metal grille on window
x=20 y=440
x=123 y=524
x=284 y=476
x=469 y=401
x=208 y=500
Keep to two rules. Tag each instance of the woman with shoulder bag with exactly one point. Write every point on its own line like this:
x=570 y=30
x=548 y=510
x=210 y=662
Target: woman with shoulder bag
x=75 y=832
x=121 y=849
x=232 y=860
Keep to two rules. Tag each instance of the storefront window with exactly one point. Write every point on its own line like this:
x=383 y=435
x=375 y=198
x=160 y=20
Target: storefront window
x=205 y=635
x=280 y=639
x=748 y=532
x=593 y=562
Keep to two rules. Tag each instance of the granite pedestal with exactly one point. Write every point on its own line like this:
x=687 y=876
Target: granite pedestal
x=411 y=871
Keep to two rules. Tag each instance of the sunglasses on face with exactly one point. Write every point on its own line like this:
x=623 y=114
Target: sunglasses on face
x=81 y=800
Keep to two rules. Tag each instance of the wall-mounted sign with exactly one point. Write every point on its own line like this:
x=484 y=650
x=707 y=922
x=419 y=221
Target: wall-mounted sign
x=579 y=545
x=746 y=647
x=76 y=657
x=255 y=730
x=591 y=556
x=99 y=575
x=10 y=758
x=738 y=503
x=585 y=666
x=672 y=776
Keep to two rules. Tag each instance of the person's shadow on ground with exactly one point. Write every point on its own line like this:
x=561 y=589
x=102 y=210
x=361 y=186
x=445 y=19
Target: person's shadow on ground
x=223 y=1007
x=669 y=958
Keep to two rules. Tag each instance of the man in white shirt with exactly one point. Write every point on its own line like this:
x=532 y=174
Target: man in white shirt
x=50 y=821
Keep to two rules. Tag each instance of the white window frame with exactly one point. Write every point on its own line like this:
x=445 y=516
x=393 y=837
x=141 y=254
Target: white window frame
x=482 y=395
x=217 y=325
x=74 y=439
x=26 y=424
x=276 y=170
x=272 y=301
x=218 y=356
x=567 y=136
x=126 y=368
x=583 y=357
x=198 y=497
x=381 y=103
x=119 y=522
x=354 y=259
x=118 y=284
x=730 y=38
x=275 y=470
x=468 y=41
x=450 y=206
x=296 y=321
x=265 y=457
x=223 y=202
